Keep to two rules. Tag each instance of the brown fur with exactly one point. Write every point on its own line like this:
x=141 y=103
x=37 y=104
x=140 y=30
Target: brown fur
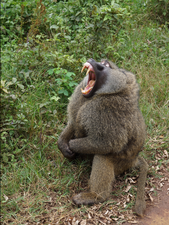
x=110 y=126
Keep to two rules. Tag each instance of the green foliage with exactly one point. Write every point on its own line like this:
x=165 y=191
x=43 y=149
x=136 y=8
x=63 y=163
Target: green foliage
x=66 y=25
x=65 y=83
x=15 y=18
x=83 y=26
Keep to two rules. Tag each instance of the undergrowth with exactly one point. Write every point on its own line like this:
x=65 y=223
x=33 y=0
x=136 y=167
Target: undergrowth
x=44 y=46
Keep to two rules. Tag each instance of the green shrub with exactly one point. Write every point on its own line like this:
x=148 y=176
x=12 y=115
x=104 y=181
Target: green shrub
x=64 y=84
x=16 y=18
x=79 y=27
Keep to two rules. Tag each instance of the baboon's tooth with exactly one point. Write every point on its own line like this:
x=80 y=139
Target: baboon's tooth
x=83 y=68
x=88 y=71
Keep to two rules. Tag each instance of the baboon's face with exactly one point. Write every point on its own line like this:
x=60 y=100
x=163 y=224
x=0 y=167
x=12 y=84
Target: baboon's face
x=96 y=76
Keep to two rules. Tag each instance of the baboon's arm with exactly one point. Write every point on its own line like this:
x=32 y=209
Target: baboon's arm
x=87 y=146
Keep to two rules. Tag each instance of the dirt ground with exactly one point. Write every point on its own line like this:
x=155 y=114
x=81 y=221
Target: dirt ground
x=157 y=211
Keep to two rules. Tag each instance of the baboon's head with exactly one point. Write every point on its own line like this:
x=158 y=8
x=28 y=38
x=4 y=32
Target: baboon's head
x=102 y=78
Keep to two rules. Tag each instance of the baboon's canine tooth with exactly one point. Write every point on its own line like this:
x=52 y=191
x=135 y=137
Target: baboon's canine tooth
x=83 y=68
x=88 y=70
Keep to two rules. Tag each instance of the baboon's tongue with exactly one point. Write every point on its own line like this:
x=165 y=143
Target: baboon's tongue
x=88 y=87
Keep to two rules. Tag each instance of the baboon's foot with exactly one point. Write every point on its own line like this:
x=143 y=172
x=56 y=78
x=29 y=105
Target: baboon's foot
x=140 y=207
x=86 y=198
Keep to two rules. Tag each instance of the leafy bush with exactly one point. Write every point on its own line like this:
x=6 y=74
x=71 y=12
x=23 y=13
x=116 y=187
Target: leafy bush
x=16 y=18
x=78 y=27
x=65 y=83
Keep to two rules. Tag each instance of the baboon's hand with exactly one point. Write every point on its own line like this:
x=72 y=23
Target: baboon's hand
x=68 y=153
x=64 y=148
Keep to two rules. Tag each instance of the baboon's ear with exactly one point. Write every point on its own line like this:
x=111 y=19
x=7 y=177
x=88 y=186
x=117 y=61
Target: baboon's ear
x=105 y=63
x=109 y=64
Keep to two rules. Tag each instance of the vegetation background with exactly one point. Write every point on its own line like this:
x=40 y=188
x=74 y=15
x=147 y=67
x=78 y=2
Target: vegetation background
x=43 y=47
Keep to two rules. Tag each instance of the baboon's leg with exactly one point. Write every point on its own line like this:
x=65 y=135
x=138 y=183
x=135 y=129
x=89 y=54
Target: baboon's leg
x=102 y=176
x=101 y=179
x=140 y=205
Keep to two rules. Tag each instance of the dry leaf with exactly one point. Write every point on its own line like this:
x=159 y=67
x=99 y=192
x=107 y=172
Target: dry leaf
x=149 y=42
x=151 y=198
x=132 y=181
x=115 y=219
x=165 y=153
x=106 y=212
x=134 y=221
x=162 y=179
x=167 y=191
x=129 y=196
x=157 y=168
x=94 y=207
x=6 y=198
x=121 y=216
x=89 y=216
x=104 y=223
x=61 y=209
x=161 y=185
x=70 y=220
x=128 y=188
x=130 y=217
x=151 y=190
x=75 y=222
x=124 y=205
x=83 y=222
x=126 y=180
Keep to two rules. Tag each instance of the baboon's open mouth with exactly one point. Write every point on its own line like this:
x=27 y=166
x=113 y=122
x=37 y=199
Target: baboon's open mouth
x=91 y=79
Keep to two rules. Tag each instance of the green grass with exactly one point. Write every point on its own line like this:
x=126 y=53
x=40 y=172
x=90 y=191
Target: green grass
x=37 y=182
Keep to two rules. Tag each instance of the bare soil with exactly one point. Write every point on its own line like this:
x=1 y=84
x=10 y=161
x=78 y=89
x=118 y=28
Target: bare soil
x=157 y=211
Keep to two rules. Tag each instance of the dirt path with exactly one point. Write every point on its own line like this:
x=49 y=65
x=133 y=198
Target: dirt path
x=157 y=212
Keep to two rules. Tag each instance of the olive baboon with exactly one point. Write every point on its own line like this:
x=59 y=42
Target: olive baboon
x=104 y=120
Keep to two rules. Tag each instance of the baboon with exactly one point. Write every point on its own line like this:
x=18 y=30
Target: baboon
x=104 y=120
